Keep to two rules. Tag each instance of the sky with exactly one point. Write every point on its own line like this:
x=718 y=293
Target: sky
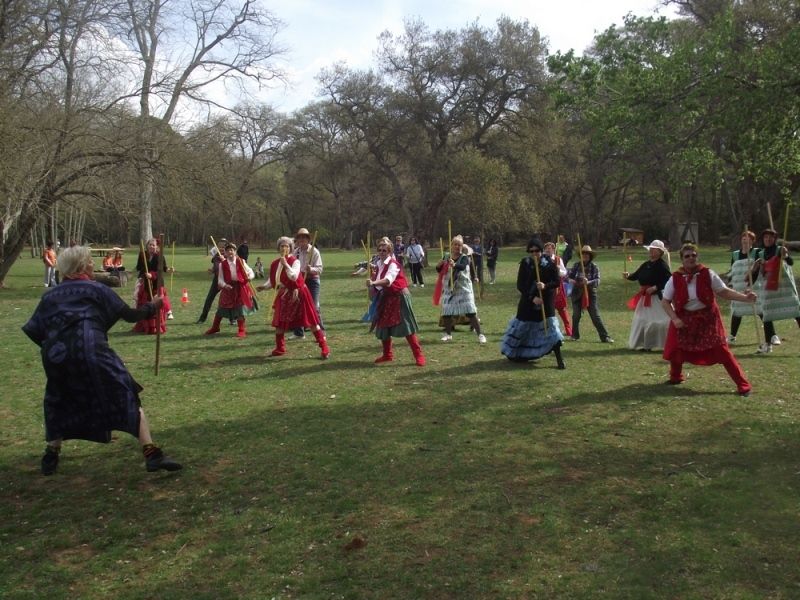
x=319 y=33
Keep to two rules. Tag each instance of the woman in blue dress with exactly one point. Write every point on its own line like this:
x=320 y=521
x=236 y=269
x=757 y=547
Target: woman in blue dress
x=535 y=332
x=89 y=391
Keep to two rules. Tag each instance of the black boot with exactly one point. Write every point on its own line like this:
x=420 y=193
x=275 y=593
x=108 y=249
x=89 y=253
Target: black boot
x=50 y=460
x=156 y=460
x=559 y=359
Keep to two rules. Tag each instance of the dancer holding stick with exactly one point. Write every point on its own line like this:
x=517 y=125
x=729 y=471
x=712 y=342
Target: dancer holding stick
x=585 y=279
x=534 y=333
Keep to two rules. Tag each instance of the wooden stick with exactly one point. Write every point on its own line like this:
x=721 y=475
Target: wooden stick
x=541 y=294
x=369 y=264
x=146 y=270
x=172 y=273
x=583 y=267
x=625 y=260
x=750 y=283
x=159 y=285
x=785 y=233
x=450 y=241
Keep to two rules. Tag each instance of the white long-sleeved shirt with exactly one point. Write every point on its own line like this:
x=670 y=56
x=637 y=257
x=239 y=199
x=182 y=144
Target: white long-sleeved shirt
x=234 y=271
x=310 y=258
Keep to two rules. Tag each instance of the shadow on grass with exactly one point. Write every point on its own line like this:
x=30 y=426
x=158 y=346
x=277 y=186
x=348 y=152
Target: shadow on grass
x=429 y=484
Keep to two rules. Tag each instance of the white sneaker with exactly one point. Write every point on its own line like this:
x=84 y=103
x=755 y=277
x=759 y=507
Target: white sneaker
x=764 y=349
x=297 y=337
x=447 y=337
x=731 y=339
x=421 y=285
x=415 y=285
x=481 y=339
x=170 y=315
x=775 y=340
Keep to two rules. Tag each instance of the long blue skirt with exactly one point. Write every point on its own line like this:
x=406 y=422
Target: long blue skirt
x=527 y=340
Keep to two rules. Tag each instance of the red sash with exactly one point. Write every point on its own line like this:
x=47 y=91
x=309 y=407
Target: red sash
x=771 y=268
x=439 y=287
x=642 y=293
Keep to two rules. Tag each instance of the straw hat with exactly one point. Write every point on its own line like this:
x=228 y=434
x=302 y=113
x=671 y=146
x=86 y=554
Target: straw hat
x=658 y=245
x=588 y=250
x=302 y=231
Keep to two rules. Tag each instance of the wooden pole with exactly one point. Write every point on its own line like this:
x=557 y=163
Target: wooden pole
x=172 y=273
x=750 y=283
x=159 y=285
x=541 y=294
x=785 y=233
x=450 y=241
x=583 y=268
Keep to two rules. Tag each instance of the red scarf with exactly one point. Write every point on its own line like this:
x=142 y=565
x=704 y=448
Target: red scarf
x=642 y=293
x=439 y=287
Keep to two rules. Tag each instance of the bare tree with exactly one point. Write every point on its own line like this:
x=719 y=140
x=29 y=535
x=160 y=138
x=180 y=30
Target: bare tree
x=184 y=49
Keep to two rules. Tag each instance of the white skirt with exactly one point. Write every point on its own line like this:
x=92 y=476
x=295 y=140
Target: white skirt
x=649 y=326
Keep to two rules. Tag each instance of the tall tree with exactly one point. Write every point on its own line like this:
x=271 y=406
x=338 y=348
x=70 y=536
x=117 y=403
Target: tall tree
x=435 y=97
x=185 y=48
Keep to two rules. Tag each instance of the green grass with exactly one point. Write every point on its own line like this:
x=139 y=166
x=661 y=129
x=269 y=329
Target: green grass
x=470 y=478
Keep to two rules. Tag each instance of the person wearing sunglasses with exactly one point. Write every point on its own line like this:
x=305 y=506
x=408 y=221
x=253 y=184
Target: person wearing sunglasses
x=696 y=334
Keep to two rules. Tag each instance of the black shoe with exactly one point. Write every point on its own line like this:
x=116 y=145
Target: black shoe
x=159 y=460
x=200 y=321
x=561 y=365
x=744 y=394
x=49 y=462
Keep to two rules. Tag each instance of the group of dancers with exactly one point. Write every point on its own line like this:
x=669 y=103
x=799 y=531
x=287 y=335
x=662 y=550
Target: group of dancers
x=545 y=284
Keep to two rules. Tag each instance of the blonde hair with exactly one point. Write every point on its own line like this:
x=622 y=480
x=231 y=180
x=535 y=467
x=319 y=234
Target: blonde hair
x=74 y=260
x=385 y=241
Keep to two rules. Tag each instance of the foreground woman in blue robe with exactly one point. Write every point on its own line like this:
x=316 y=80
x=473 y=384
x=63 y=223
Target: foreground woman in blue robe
x=531 y=335
x=89 y=391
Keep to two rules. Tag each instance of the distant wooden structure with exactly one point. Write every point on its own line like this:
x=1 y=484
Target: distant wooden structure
x=632 y=237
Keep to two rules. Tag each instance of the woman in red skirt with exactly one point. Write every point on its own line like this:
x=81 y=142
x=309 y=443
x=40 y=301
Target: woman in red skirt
x=293 y=306
x=696 y=334
x=149 y=286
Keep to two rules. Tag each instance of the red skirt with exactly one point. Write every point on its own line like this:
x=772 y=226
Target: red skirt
x=143 y=297
x=700 y=342
x=293 y=309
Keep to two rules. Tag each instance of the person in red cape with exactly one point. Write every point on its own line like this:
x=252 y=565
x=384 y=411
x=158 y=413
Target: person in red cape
x=293 y=306
x=394 y=315
x=696 y=334
x=235 y=297
x=147 y=267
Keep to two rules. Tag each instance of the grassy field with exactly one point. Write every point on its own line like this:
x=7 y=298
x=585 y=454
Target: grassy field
x=469 y=478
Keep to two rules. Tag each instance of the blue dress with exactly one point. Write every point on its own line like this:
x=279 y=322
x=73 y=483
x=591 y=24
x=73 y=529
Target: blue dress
x=526 y=337
x=89 y=391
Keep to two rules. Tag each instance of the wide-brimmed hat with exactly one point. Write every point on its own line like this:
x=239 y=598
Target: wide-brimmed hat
x=588 y=249
x=770 y=231
x=658 y=245
x=302 y=231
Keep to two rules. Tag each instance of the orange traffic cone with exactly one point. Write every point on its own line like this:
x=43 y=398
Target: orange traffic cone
x=185 y=297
